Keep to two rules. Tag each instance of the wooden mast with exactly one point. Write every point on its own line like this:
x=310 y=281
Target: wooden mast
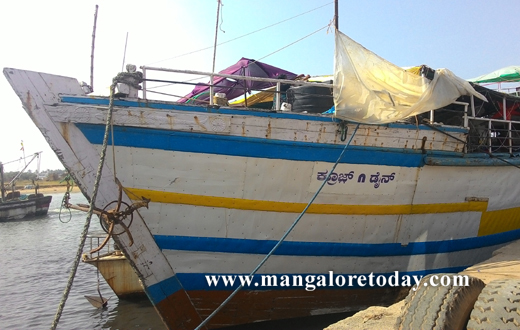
x=336 y=23
x=92 y=51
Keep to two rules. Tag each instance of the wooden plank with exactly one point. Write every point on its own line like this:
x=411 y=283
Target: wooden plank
x=259 y=127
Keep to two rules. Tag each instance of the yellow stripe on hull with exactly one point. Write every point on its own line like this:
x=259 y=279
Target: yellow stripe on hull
x=272 y=206
x=494 y=222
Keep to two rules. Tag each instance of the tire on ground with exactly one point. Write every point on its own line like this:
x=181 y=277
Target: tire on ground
x=497 y=307
x=440 y=307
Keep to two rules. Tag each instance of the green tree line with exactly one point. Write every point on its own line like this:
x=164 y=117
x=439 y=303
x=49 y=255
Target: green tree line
x=48 y=175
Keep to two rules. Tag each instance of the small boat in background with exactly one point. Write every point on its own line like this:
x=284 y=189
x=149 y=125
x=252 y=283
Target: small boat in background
x=16 y=206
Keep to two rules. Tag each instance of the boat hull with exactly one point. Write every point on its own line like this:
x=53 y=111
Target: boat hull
x=119 y=275
x=20 y=209
x=283 y=304
x=224 y=185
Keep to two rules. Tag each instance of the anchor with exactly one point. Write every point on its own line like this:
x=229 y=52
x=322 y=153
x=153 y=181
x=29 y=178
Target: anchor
x=98 y=302
x=109 y=217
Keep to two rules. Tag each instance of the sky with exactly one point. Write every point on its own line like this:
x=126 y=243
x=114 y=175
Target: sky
x=469 y=37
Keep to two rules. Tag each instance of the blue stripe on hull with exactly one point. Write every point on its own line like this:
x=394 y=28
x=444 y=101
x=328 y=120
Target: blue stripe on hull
x=163 y=289
x=325 y=249
x=250 y=147
x=197 y=281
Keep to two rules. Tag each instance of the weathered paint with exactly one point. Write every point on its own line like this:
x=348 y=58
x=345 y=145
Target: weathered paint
x=237 y=179
x=502 y=160
x=119 y=275
x=282 y=304
x=321 y=130
x=37 y=91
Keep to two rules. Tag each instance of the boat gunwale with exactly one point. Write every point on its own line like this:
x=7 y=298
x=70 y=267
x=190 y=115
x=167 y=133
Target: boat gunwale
x=255 y=112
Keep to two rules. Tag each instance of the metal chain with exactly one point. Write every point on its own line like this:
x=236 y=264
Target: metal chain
x=91 y=208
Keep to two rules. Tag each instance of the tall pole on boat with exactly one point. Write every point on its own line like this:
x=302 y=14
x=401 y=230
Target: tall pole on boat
x=92 y=52
x=336 y=23
x=124 y=54
x=214 y=55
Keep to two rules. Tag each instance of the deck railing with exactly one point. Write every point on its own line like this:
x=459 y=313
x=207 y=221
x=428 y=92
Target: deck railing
x=277 y=82
x=486 y=134
x=95 y=240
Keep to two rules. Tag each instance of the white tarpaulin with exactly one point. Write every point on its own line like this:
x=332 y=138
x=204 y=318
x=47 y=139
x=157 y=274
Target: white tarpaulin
x=370 y=90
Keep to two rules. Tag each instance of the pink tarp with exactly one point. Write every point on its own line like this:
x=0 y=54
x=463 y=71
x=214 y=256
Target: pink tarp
x=234 y=88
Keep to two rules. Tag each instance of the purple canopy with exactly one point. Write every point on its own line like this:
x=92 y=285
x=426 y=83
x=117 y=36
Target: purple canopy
x=233 y=88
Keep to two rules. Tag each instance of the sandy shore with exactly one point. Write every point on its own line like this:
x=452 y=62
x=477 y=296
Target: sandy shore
x=49 y=190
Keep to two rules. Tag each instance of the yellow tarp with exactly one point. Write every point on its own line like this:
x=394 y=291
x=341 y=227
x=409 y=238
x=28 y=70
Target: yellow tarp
x=260 y=97
x=267 y=94
x=368 y=89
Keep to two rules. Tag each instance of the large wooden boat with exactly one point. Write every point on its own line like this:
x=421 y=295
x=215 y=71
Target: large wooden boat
x=225 y=183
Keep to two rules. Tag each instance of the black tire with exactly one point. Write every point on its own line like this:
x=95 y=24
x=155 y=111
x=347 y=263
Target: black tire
x=497 y=307
x=439 y=307
x=313 y=99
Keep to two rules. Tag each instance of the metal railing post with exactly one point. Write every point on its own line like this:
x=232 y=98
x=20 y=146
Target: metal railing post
x=504 y=110
x=466 y=121
x=211 y=89
x=144 y=83
x=489 y=136
x=278 y=96
x=472 y=100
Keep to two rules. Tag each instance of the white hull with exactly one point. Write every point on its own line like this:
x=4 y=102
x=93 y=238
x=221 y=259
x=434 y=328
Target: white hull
x=226 y=184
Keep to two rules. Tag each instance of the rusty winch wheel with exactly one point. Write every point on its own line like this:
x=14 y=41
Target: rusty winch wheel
x=109 y=218
x=115 y=215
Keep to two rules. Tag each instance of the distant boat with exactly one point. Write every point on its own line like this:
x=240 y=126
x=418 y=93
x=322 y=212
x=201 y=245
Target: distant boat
x=15 y=206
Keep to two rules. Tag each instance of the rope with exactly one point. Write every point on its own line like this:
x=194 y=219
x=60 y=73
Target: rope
x=283 y=237
x=91 y=207
x=426 y=122
x=66 y=198
x=64 y=201
x=242 y=36
x=113 y=148
x=292 y=43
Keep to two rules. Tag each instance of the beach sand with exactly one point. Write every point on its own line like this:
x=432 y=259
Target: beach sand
x=50 y=190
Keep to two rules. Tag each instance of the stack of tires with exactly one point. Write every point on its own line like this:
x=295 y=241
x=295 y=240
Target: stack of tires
x=474 y=307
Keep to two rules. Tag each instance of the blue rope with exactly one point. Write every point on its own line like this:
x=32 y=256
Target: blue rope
x=283 y=237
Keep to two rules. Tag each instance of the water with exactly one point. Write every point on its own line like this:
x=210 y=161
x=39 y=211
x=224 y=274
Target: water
x=35 y=260
x=36 y=256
